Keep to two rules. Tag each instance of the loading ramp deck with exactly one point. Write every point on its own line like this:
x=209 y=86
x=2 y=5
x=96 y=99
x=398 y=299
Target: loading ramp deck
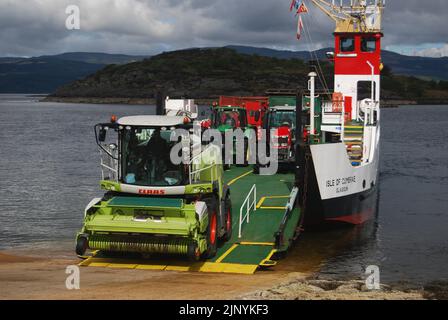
x=258 y=244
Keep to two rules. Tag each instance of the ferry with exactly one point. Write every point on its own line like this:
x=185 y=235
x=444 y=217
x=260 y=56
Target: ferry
x=341 y=153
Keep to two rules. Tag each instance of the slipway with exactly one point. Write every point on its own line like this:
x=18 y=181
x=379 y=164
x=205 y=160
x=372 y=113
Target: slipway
x=265 y=219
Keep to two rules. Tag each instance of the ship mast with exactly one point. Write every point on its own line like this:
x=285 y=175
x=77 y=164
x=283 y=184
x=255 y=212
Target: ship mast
x=353 y=16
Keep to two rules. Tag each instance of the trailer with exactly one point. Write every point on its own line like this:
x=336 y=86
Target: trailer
x=256 y=107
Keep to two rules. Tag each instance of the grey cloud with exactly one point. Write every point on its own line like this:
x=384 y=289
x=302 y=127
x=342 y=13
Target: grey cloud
x=35 y=27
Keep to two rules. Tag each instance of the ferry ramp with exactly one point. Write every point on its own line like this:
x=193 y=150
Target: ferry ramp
x=267 y=229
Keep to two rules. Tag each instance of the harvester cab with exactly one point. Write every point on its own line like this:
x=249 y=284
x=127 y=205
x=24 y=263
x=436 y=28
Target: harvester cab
x=158 y=200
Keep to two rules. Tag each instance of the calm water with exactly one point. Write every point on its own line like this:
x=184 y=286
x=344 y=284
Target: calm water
x=49 y=170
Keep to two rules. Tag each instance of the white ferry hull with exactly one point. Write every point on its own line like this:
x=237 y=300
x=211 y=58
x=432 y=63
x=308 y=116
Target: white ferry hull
x=338 y=191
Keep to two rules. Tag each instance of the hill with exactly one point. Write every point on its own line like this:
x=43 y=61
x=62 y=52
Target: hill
x=47 y=73
x=199 y=73
x=428 y=68
x=207 y=73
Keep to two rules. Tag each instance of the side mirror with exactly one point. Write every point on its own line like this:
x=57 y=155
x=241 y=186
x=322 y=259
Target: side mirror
x=102 y=134
x=329 y=54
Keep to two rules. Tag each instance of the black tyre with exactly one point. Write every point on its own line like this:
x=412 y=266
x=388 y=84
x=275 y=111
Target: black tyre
x=193 y=253
x=82 y=244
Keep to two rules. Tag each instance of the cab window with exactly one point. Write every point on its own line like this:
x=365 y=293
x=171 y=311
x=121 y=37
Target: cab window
x=368 y=44
x=347 y=44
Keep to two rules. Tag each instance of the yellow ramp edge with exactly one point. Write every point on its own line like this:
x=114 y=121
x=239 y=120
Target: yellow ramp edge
x=208 y=267
x=263 y=199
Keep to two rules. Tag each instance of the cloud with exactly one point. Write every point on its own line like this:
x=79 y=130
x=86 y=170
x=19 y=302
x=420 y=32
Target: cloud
x=434 y=52
x=35 y=27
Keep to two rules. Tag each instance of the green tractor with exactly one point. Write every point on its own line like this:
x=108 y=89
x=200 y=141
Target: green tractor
x=229 y=118
x=153 y=205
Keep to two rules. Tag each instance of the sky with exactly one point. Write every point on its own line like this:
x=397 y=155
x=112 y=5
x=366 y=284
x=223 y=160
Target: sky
x=147 y=27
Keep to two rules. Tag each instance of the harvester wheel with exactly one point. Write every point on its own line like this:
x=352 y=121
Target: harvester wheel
x=82 y=245
x=212 y=232
x=194 y=254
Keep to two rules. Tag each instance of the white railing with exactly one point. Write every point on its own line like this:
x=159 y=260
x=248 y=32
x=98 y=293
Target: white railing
x=247 y=206
x=366 y=111
x=195 y=175
x=109 y=166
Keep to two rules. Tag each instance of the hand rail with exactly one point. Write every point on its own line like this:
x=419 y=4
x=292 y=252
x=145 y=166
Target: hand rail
x=109 y=166
x=196 y=162
x=279 y=235
x=196 y=172
x=248 y=206
x=343 y=122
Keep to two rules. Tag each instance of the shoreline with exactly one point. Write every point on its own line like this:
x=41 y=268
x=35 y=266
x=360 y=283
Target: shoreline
x=128 y=101
x=209 y=101
x=44 y=278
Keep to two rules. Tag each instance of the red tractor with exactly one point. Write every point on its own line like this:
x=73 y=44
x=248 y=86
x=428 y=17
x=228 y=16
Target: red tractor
x=256 y=107
x=280 y=120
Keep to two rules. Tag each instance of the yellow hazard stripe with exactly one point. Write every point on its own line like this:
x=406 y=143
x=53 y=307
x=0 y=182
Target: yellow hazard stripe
x=256 y=243
x=278 y=197
x=268 y=262
x=260 y=202
x=240 y=177
x=221 y=258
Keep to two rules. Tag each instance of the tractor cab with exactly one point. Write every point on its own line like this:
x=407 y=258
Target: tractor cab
x=255 y=107
x=229 y=118
x=233 y=120
x=282 y=118
x=281 y=121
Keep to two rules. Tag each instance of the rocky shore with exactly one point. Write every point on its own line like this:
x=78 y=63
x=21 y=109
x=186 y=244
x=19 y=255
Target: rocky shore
x=297 y=288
